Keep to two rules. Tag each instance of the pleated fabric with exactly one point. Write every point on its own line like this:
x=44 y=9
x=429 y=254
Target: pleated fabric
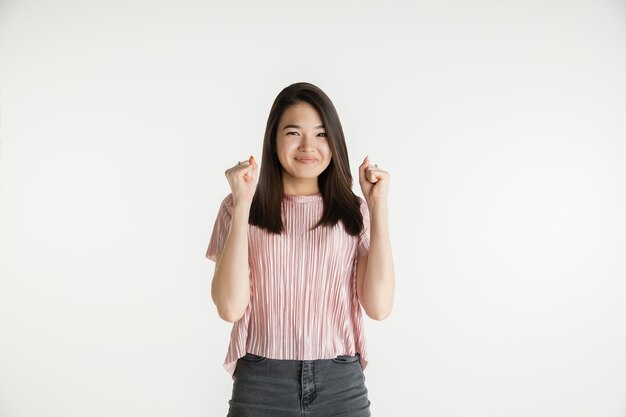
x=303 y=298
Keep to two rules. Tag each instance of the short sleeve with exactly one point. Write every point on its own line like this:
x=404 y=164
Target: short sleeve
x=364 y=238
x=220 y=228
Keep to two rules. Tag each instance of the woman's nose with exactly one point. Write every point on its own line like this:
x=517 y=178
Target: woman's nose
x=306 y=141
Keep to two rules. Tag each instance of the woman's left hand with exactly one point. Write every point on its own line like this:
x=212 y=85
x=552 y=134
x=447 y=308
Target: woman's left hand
x=374 y=183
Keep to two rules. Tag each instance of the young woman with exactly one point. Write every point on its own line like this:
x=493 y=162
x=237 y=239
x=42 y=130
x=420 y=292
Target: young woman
x=295 y=263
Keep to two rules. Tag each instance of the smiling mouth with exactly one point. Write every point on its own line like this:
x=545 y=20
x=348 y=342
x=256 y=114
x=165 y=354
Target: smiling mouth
x=306 y=160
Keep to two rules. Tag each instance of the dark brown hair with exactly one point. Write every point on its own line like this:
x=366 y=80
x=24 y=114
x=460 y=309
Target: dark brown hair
x=335 y=183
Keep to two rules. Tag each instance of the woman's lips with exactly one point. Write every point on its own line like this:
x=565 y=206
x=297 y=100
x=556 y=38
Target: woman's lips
x=306 y=160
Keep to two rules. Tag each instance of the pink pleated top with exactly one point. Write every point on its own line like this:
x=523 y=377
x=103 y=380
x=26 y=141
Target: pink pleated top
x=303 y=298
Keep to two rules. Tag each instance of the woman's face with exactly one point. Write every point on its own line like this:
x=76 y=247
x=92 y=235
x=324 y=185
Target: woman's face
x=302 y=146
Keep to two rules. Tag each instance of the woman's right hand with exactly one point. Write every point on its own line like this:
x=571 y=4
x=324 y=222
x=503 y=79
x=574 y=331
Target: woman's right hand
x=242 y=179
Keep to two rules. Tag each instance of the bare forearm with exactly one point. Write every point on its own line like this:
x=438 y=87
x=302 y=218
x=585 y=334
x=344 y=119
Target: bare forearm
x=230 y=288
x=379 y=281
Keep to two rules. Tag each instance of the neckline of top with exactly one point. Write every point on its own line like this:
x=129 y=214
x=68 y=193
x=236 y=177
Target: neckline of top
x=292 y=198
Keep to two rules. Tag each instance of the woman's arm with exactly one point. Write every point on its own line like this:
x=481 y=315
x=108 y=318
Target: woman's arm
x=230 y=288
x=375 y=273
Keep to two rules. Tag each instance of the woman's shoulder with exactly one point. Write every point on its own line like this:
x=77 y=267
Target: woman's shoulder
x=229 y=199
x=227 y=202
x=362 y=203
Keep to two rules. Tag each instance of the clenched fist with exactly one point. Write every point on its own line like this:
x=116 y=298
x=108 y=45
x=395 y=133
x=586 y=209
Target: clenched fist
x=242 y=179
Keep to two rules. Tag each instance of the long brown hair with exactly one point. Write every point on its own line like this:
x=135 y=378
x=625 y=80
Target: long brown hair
x=335 y=183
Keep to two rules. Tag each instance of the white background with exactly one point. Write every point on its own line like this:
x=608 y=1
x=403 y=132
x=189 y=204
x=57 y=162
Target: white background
x=501 y=123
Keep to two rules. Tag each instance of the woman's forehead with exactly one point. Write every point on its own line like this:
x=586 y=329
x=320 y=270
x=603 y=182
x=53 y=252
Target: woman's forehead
x=301 y=114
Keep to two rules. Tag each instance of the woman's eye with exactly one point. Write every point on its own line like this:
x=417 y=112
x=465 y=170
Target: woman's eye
x=296 y=133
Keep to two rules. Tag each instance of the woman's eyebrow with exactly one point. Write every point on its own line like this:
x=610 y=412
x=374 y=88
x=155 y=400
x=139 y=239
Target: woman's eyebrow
x=298 y=127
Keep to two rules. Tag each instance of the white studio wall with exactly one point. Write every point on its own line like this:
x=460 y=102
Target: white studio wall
x=502 y=125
